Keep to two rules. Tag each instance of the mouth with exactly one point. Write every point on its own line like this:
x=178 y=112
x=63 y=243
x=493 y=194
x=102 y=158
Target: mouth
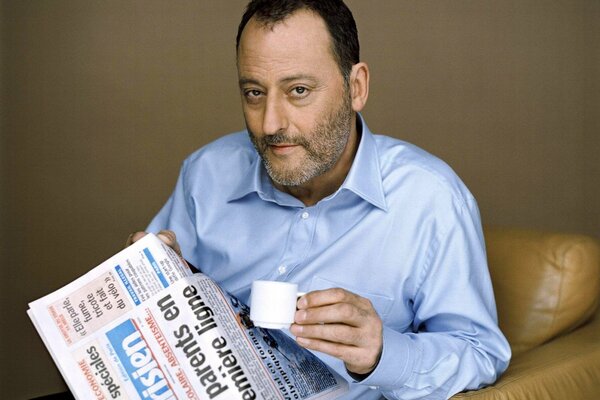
x=283 y=148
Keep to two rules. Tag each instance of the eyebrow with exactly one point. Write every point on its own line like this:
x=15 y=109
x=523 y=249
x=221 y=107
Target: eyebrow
x=245 y=81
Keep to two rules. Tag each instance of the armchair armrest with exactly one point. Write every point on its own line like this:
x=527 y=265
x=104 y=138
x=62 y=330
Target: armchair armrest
x=567 y=367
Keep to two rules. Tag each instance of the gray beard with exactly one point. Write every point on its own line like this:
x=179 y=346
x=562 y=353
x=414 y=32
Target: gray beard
x=323 y=147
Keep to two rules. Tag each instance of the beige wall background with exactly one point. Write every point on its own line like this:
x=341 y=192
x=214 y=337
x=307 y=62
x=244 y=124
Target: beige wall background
x=101 y=101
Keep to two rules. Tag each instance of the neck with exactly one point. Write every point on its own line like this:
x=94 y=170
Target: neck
x=326 y=184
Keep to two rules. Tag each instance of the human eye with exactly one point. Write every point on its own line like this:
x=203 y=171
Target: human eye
x=252 y=95
x=299 y=92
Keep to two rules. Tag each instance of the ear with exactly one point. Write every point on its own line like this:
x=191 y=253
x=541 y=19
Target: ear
x=359 y=85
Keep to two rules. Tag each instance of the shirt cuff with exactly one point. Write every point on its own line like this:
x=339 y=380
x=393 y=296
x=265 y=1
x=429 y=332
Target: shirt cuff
x=396 y=363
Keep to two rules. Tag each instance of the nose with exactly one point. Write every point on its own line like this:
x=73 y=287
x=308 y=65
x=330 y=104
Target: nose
x=274 y=117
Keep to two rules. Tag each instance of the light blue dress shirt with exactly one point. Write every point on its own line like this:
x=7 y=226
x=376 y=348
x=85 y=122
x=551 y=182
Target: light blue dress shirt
x=402 y=231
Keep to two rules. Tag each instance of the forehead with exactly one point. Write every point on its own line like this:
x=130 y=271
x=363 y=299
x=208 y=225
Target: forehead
x=301 y=41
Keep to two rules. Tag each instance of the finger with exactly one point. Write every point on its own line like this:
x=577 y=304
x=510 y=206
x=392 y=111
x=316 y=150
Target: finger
x=335 y=333
x=346 y=313
x=368 y=335
x=170 y=239
x=134 y=237
x=320 y=298
x=337 y=350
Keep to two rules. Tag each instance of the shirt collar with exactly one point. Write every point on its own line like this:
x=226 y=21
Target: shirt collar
x=255 y=180
x=364 y=178
x=251 y=182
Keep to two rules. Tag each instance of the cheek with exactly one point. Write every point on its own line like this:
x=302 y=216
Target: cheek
x=303 y=121
x=252 y=119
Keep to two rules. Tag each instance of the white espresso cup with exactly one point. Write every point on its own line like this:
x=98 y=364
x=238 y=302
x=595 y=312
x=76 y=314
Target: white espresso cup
x=273 y=304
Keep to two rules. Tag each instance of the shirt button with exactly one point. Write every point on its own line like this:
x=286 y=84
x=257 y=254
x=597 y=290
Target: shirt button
x=305 y=215
x=282 y=268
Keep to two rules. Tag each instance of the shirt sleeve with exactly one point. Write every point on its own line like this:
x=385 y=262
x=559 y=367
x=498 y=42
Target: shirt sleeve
x=455 y=343
x=178 y=215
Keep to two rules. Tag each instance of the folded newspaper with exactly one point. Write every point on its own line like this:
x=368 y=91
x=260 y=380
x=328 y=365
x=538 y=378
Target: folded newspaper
x=141 y=325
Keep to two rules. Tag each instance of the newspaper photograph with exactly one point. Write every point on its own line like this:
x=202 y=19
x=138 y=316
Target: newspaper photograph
x=141 y=325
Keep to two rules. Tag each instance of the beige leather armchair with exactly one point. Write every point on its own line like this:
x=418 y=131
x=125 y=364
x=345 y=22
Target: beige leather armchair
x=547 y=288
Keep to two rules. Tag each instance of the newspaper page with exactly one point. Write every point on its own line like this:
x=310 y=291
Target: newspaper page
x=142 y=326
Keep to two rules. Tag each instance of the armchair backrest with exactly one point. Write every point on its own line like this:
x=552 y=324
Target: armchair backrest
x=545 y=284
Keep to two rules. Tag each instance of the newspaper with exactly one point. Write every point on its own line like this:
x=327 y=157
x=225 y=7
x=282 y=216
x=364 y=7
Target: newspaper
x=141 y=325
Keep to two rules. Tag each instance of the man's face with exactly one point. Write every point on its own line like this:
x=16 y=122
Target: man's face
x=296 y=106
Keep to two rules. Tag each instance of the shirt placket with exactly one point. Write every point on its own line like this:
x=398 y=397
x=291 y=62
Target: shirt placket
x=298 y=243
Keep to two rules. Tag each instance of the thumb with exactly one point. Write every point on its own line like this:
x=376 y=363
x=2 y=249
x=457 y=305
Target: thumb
x=134 y=237
x=170 y=239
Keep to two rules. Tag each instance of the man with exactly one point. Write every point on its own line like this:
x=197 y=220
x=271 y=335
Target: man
x=384 y=237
